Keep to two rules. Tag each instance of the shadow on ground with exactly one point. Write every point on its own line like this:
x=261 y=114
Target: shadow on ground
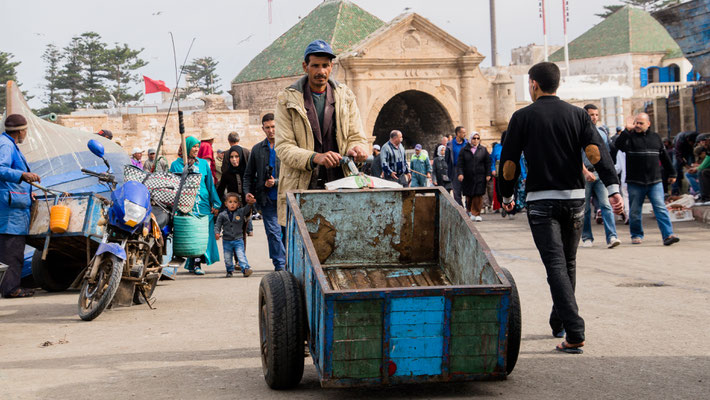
x=547 y=375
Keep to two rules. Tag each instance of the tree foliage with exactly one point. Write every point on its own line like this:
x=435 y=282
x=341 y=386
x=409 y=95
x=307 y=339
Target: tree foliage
x=89 y=73
x=647 y=5
x=122 y=62
x=201 y=77
x=55 y=102
x=8 y=72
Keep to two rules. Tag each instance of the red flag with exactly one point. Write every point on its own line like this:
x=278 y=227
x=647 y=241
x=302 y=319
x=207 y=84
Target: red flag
x=153 y=86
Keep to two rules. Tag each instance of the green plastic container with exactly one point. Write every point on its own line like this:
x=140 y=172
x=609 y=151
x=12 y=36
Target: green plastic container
x=190 y=235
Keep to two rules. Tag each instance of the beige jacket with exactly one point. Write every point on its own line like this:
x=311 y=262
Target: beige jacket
x=294 y=141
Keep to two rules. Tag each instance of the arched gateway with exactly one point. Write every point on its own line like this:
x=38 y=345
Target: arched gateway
x=420 y=116
x=407 y=74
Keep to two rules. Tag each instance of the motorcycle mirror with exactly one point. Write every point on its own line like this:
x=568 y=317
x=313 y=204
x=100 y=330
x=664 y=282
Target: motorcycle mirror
x=96 y=148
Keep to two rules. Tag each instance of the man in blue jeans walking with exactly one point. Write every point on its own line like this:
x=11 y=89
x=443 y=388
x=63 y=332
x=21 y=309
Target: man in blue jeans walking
x=596 y=187
x=261 y=181
x=644 y=152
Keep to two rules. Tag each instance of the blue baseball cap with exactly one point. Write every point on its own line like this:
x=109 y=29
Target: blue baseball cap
x=318 y=46
x=418 y=147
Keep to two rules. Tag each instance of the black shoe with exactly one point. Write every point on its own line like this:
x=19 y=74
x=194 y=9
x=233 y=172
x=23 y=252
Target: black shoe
x=229 y=274
x=670 y=240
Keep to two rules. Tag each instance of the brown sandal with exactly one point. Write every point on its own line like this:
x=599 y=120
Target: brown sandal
x=21 y=292
x=570 y=348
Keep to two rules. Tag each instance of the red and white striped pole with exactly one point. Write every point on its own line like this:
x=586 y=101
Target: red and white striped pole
x=541 y=5
x=565 y=20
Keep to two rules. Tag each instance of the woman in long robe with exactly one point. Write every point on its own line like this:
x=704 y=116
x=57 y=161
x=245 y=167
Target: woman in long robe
x=207 y=202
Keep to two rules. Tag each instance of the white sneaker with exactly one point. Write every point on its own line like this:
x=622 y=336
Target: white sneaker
x=587 y=243
x=478 y=218
x=473 y=217
x=613 y=242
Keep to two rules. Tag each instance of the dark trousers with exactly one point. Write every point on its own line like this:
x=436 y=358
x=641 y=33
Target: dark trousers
x=456 y=187
x=12 y=253
x=556 y=227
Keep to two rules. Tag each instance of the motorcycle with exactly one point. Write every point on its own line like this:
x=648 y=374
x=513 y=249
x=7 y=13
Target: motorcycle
x=127 y=263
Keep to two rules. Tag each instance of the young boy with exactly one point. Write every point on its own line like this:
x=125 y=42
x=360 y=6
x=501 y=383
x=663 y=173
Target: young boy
x=230 y=223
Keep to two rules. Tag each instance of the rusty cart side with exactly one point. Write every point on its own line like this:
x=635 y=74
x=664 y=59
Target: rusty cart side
x=387 y=287
x=59 y=257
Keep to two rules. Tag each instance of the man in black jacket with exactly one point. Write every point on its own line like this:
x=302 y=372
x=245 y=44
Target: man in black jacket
x=261 y=181
x=644 y=149
x=551 y=133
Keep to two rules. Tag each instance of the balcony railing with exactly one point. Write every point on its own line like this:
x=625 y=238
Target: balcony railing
x=662 y=89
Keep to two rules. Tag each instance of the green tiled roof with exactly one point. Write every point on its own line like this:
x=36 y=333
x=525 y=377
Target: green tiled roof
x=340 y=23
x=629 y=30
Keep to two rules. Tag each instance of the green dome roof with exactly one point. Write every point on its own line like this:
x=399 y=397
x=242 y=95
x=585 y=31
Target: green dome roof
x=340 y=23
x=628 y=30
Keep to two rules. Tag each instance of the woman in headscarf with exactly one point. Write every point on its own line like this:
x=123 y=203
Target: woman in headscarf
x=231 y=180
x=473 y=170
x=206 y=153
x=207 y=202
x=441 y=169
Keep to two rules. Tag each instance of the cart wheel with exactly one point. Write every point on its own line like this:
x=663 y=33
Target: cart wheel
x=514 y=324
x=281 y=329
x=55 y=274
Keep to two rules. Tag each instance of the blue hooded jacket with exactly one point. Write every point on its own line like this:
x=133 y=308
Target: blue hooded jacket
x=15 y=195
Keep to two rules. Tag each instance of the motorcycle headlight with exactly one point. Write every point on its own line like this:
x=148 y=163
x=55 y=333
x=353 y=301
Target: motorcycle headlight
x=134 y=214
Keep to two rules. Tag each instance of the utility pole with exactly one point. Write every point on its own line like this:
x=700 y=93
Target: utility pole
x=494 y=45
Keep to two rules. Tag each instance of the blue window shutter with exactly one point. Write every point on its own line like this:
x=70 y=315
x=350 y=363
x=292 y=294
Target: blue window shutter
x=644 y=76
x=664 y=74
x=671 y=74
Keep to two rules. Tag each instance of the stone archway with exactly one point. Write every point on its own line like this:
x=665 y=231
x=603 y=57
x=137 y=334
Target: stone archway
x=419 y=115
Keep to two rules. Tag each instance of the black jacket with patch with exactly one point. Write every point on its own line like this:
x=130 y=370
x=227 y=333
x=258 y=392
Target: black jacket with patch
x=552 y=132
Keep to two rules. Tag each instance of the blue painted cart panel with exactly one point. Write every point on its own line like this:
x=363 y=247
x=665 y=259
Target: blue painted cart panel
x=399 y=288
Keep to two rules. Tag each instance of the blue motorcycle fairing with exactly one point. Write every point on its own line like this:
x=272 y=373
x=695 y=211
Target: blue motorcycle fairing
x=113 y=248
x=134 y=192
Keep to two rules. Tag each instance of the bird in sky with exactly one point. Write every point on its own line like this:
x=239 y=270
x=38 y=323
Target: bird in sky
x=246 y=39
x=157 y=13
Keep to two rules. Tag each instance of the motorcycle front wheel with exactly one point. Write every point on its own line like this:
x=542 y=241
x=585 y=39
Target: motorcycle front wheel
x=95 y=297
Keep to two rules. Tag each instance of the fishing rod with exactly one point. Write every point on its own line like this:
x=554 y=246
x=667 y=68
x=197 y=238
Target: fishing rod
x=173 y=99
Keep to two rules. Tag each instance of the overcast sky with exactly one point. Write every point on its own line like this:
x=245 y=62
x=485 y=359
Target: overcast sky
x=233 y=32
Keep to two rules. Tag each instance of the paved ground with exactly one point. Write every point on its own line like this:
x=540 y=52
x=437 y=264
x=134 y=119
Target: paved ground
x=646 y=309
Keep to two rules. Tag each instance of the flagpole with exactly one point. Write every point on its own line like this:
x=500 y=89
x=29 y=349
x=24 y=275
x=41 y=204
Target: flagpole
x=544 y=25
x=565 y=19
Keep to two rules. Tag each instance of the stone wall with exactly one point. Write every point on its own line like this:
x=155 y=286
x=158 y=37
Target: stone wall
x=143 y=130
x=530 y=54
x=259 y=97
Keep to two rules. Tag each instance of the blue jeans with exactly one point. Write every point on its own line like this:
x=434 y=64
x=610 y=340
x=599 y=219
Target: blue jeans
x=418 y=180
x=234 y=248
x=637 y=193
x=602 y=196
x=277 y=252
x=693 y=181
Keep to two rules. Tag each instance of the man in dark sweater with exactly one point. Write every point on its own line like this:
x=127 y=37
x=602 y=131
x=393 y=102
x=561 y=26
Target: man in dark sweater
x=551 y=133
x=644 y=149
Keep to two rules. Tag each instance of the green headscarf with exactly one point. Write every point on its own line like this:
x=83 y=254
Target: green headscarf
x=191 y=142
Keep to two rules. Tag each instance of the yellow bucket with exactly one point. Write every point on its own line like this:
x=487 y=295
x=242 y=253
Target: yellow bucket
x=59 y=218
